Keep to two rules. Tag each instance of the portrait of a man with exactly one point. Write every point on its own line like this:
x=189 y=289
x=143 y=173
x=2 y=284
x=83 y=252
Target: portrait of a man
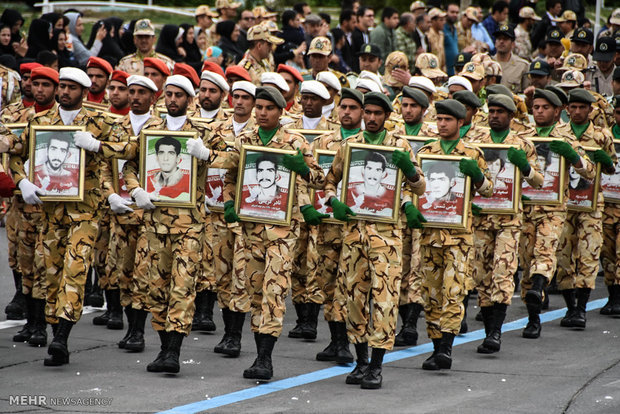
x=56 y=174
x=169 y=179
x=443 y=202
x=440 y=184
x=497 y=166
x=549 y=165
x=372 y=195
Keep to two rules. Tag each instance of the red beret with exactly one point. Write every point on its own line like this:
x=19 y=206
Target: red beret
x=213 y=67
x=158 y=64
x=96 y=62
x=120 y=76
x=238 y=71
x=291 y=70
x=44 y=72
x=27 y=67
x=186 y=70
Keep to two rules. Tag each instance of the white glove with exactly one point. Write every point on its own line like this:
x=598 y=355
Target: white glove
x=118 y=204
x=84 y=139
x=30 y=192
x=143 y=199
x=196 y=148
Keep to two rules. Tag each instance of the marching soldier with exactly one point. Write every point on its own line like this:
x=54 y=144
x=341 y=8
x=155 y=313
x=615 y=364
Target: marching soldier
x=331 y=82
x=314 y=96
x=9 y=93
x=158 y=71
x=255 y=60
x=144 y=39
x=212 y=91
x=99 y=71
x=118 y=93
x=8 y=113
x=319 y=55
x=190 y=73
x=293 y=79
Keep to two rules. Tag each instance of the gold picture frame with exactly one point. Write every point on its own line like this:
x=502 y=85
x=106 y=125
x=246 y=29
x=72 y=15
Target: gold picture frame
x=553 y=174
x=416 y=141
x=384 y=208
x=117 y=165
x=71 y=170
x=185 y=173
x=441 y=212
x=16 y=128
x=325 y=159
x=610 y=184
x=310 y=134
x=506 y=197
x=584 y=198
x=277 y=208
x=94 y=106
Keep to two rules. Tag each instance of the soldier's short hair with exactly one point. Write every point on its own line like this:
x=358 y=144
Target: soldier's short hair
x=267 y=157
x=168 y=141
x=542 y=150
x=373 y=156
x=441 y=168
x=492 y=155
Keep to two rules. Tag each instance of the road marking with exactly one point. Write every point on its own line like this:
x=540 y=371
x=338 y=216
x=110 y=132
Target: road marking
x=12 y=324
x=275 y=386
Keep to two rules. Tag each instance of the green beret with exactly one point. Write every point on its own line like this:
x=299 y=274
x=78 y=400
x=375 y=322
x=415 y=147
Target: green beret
x=616 y=101
x=270 y=93
x=467 y=98
x=378 y=98
x=503 y=101
x=348 y=93
x=549 y=96
x=580 y=95
x=451 y=107
x=417 y=95
x=498 y=89
x=559 y=92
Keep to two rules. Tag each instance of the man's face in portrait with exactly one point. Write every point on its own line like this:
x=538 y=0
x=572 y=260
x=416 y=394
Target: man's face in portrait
x=57 y=153
x=373 y=174
x=439 y=184
x=266 y=174
x=167 y=158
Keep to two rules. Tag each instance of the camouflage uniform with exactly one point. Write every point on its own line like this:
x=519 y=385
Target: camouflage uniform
x=134 y=63
x=16 y=112
x=523 y=44
x=254 y=67
x=10 y=93
x=269 y=248
x=445 y=255
x=371 y=259
x=610 y=253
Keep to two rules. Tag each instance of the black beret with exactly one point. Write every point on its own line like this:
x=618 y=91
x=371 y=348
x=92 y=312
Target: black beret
x=549 y=96
x=451 y=107
x=348 y=93
x=467 y=98
x=559 y=92
x=580 y=95
x=417 y=95
x=378 y=98
x=270 y=93
x=498 y=88
x=503 y=101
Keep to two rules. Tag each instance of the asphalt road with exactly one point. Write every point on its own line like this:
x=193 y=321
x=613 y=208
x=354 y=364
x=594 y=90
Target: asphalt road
x=565 y=371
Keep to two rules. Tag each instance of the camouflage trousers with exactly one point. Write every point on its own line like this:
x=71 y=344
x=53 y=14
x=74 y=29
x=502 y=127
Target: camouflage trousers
x=11 y=219
x=206 y=278
x=175 y=261
x=101 y=254
x=411 y=283
x=68 y=248
x=540 y=237
x=323 y=258
x=610 y=253
x=496 y=261
x=371 y=261
x=580 y=250
x=299 y=277
x=30 y=251
x=270 y=252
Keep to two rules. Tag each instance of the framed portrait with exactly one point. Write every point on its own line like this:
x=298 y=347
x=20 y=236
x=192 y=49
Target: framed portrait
x=446 y=201
x=324 y=158
x=311 y=134
x=506 y=178
x=611 y=183
x=371 y=184
x=17 y=129
x=214 y=188
x=94 y=106
x=161 y=111
x=118 y=181
x=583 y=193
x=265 y=188
x=552 y=166
x=166 y=169
x=56 y=165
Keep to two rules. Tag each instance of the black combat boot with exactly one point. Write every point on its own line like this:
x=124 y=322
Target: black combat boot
x=571 y=301
x=372 y=378
x=170 y=363
x=534 y=296
x=113 y=297
x=226 y=316
x=16 y=309
x=101 y=320
x=309 y=328
x=430 y=364
x=493 y=341
x=96 y=295
x=262 y=369
x=302 y=316
x=38 y=335
x=157 y=364
x=444 y=354
x=357 y=375
x=135 y=342
x=24 y=334
x=343 y=355
x=203 y=316
x=329 y=353
x=232 y=347
x=408 y=335
x=615 y=308
x=58 y=349
x=131 y=316
x=487 y=319
x=532 y=329
x=404 y=311
x=606 y=310
x=464 y=327
x=583 y=295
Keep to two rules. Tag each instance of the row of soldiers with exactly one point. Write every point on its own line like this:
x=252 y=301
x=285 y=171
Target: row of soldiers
x=175 y=262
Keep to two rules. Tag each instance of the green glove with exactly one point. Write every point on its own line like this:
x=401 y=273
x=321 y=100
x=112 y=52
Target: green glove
x=401 y=160
x=428 y=141
x=341 y=210
x=519 y=158
x=476 y=210
x=603 y=158
x=414 y=217
x=296 y=163
x=311 y=216
x=470 y=167
x=229 y=212
x=565 y=150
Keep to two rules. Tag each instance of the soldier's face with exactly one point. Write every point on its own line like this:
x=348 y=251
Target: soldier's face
x=374 y=118
x=210 y=95
x=319 y=62
x=57 y=153
x=266 y=174
x=43 y=91
x=140 y=99
x=495 y=167
x=98 y=78
x=503 y=44
x=292 y=86
x=373 y=174
x=70 y=95
x=167 y=158
x=411 y=110
x=242 y=103
x=573 y=174
x=267 y=114
x=312 y=105
x=144 y=43
x=177 y=100
x=582 y=48
x=350 y=113
x=370 y=63
x=439 y=184
x=448 y=126
x=544 y=113
x=539 y=81
x=119 y=94
x=156 y=76
x=499 y=118
x=579 y=112
x=26 y=85
x=554 y=50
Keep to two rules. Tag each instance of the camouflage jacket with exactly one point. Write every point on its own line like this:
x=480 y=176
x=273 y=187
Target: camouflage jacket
x=10 y=86
x=325 y=124
x=134 y=63
x=16 y=112
x=428 y=129
x=254 y=67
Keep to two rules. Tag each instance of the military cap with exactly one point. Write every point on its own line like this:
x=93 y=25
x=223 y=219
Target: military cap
x=436 y=12
x=119 y=76
x=473 y=71
x=539 y=67
x=461 y=81
x=144 y=27
x=378 y=98
x=467 y=98
x=554 y=35
x=44 y=72
x=142 y=81
x=498 y=89
x=269 y=93
x=396 y=59
x=574 y=61
x=566 y=16
x=261 y=32
x=605 y=49
x=503 y=101
x=580 y=95
x=182 y=82
x=244 y=86
x=451 y=107
x=204 y=10
x=559 y=92
x=321 y=46
x=225 y=4
x=583 y=35
x=276 y=79
x=27 y=67
x=549 y=96
x=571 y=79
x=348 y=93
x=99 y=63
x=462 y=59
x=370 y=49
x=528 y=13
x=417 y=95
x=615 y=16
x=505 y=30
x=314 y=87
x=429 y=66
x=75 y=75
x=188 y=71
x=472 y=14
x=416 y=5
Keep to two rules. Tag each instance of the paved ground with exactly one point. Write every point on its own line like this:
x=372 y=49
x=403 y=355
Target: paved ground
x=563 y=372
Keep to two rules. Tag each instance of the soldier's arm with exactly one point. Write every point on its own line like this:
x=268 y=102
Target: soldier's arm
x=221 y=155
x=334 y=176
x=585 y=167
x=106 y=177
x=130 y=174
x=535 y=179
x=119 y=144
x=486 y=188
x=417 y=183
x=230 y=180
x=608 y=147
x=16 y=161
x=315 y=177
x=8 y=140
